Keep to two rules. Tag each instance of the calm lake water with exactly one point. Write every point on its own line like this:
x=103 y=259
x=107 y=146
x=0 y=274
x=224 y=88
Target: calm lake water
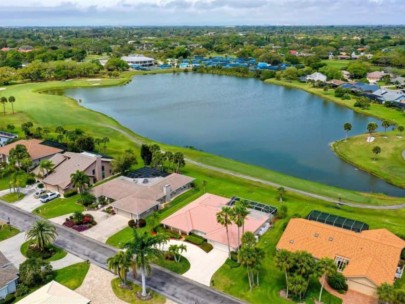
x=281 y=129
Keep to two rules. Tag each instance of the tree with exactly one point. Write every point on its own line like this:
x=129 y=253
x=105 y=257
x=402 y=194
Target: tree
x=371 y=127
x=45 y=166
x=281 y=191
x=176 y=251
x=11 y=100
x=143 y=249
x=251 y=257
x=240 y=212
x=358 y=69
x=401 y=129
x=26 y=127
x=224 y=217
x=116 y=64
x=325 y=267
x=178 y=159
x=297 y=286
x=124 y=162
x=146 y=154
x=386 y=293
x=79 y=180
x=376 y=151
x=83 y=143
x=119 y=264
x=385 y=124
x=35 y=272
x=105 y=140
x=18 y=157
x=4 y=100
x=285 y=261
x=42 y=233
x=347 y=127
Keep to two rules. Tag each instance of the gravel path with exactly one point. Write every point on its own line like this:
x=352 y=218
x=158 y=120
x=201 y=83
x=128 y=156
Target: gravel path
x=272 y=184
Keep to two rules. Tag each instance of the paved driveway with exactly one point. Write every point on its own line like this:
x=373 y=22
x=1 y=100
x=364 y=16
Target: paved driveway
x=11 y=250
x=202 y=265
x=28 y=203
x=107 y=224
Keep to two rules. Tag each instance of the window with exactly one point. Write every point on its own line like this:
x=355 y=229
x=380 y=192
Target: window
x=102 y=168
x=94 y=172
x=341 y=263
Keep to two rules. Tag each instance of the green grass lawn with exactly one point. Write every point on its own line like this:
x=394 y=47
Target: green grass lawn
x=73 y=275
x=181 y=267
x=388 y=165
x=59 y=252
x=7 y=232
x=12 y=197
x=336 y=63
x=58 y=207
x=128 y=295
x=5 y=180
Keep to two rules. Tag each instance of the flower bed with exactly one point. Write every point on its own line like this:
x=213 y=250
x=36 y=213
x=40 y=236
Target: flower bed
x=80 y=222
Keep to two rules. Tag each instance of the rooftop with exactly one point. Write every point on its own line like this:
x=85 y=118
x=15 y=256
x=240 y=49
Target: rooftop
x=373 y=254
x=35 y=148
x=7 y=270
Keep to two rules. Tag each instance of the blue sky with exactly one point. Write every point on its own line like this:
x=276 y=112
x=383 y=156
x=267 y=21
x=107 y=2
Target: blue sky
x=200 y=12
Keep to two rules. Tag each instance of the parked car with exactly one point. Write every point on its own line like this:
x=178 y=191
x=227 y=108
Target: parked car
x=39 y=193
x=48 y=197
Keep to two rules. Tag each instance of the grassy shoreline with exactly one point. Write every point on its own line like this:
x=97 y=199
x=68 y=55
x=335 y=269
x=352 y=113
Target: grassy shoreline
x=61 y=110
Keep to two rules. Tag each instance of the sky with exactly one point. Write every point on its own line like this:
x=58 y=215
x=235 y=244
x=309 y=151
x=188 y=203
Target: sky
x=200 y=12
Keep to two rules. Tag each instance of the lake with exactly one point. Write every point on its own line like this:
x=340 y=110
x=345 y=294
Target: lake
x=271 y=126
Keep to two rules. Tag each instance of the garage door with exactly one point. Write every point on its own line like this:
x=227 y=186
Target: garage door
x=362 y=285
x=123 y=213
x=219 y=246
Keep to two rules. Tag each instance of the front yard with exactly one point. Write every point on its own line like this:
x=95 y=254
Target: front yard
x=58 y=207
x=12 y=197
x=73 y=275
x=7 y=231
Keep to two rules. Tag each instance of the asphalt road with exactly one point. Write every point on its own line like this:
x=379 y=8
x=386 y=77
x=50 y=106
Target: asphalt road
x=170 y=285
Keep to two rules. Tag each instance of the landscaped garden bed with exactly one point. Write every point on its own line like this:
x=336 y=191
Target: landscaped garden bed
x=50 y=253
x=199 y=241
x=80 y=222
x=128 y=294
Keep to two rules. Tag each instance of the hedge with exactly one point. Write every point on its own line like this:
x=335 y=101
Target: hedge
x=207 y=247
x=195 y=239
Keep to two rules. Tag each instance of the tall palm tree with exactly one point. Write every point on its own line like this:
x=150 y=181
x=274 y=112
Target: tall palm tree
x=105 y=141
x=224 y=217
x=371 y=127
x=4 y=100
x=42 y=234
x=11 y=100
x=143 y=248
x=385 y=124
x=240 y=212
x=45 y=166
x=79 y=180
x=347 y=127
x=285 y=261
x=281 y=191
x=325 y=267
x=119 y=264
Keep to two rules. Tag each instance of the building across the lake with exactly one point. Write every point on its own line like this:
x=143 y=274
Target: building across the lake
x=367 y=258
x=138 y=60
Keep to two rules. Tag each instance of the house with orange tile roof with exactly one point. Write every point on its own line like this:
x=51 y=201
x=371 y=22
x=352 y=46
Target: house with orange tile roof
x=35 y=148
x=367 y=259
x=200 y=217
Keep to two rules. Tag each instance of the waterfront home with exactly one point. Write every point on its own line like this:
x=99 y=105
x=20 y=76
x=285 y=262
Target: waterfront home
x=95 y=166
x=54 y=293
x=374 y=77
x=137 y=60
x=36 y=148
x=136 y=197
x=200 y=217
x=6 y=137
x=8 y=277
x=394 y=96
x=360 y=87
x=367 y=258
x=316 y=77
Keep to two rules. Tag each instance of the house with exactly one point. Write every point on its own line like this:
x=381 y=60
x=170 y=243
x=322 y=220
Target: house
x=374 y=77
x=398 y=81
x=384 y=95
x=94 y=166
x=6 y=137
x=8 y=277
x=36 y=148
x=54 y=292
x=136 y=197
x=25 y=49
x=335 y=83
x=137 y=60
x=317 y=77
x=199 y=217
x=367 y=258
x=360 y=87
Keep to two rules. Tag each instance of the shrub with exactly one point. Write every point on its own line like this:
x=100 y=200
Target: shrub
x=10 y=298
x=403 y=254
x=195 y=239
x=282 y=212
x=70 y=193
x=22 y=290
x=40 y=186
x=141 y=223
x=86 y=199
x=207 y=247
x=131 y=223
x=234 y=256
x=30 y=180
x=338 y=282
x=232 y=263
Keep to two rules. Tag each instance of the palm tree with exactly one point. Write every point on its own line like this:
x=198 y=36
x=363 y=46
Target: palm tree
x=42 y=234
x=79 y=180
x=143 y=249
x=45 y=166
x=385 y=124
x=119 y=264
x=371 y=127
x=176 y=251
x=98 y=141
x=325 y=267
x=105 y=140
x=285 y=261
x=376 y=151
x=224 y=217
x=386 y=293
x=3 y=100
x=251 y=257
x=240 y=212
x=400 y=129
x=281 y=191
x=347 y=127
x=11 y=100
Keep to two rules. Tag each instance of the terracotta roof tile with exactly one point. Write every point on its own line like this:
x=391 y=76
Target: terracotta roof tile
x=34 y=147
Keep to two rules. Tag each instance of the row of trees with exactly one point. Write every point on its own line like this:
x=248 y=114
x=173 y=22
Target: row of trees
x=153 y=156
x=4 y=100
x=372 y=127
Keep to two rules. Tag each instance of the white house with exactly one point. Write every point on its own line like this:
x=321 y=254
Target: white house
x=317 y=77
x=139 y=60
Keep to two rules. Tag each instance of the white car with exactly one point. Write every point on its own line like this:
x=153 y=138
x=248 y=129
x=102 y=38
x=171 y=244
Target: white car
x=48 y=197
x=39 y=193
